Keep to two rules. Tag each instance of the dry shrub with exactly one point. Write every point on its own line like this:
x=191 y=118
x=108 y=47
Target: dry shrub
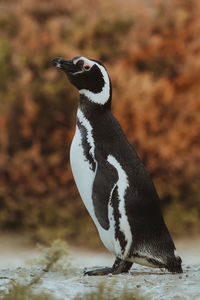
x=52 y=259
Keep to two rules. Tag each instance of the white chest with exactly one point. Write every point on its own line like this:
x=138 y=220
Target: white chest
x=84 y=178
x=83 y=175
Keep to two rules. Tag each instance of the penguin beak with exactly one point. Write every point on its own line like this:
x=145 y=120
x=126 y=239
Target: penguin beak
x=66 y=65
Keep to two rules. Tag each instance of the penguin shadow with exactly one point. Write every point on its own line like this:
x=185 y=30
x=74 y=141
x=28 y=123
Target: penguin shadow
x=139 y=273
x=161 y=272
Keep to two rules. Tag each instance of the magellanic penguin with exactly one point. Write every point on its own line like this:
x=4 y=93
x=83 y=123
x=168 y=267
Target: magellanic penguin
x=112 y=181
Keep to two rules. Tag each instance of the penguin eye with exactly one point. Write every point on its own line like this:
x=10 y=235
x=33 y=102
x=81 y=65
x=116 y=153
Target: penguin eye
x=86 y=67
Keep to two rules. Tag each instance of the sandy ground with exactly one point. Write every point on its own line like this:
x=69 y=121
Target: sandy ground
x=153 y=283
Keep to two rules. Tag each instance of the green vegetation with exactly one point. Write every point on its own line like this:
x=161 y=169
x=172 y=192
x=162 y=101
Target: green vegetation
x=151 y=53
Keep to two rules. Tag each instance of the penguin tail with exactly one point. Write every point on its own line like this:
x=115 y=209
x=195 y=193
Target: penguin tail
x=174 y=265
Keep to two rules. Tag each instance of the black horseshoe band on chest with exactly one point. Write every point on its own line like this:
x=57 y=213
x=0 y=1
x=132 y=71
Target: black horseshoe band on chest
x=86 y=146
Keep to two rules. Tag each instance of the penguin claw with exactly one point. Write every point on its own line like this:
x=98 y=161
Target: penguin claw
x=98 y=272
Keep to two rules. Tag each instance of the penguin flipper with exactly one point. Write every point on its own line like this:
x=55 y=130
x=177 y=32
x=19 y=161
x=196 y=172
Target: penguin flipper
x=104 y=182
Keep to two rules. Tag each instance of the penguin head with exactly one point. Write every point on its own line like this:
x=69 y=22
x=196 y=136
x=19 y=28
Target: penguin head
x=88 y=76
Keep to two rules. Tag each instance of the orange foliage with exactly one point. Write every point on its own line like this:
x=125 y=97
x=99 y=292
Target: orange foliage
x=152 y=52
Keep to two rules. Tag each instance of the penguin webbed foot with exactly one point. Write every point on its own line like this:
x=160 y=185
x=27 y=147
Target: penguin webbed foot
x=119 y=266
x=99 y=271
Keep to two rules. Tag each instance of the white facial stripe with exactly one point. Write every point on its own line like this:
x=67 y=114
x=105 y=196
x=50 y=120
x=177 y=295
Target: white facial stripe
x=86 y=60
x=103 y=96
x=122 y=185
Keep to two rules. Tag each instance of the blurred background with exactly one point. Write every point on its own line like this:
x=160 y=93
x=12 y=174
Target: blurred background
x=152 y=52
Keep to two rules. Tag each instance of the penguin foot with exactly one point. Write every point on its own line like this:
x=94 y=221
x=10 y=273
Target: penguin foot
x=99 y=271
x=119 y=266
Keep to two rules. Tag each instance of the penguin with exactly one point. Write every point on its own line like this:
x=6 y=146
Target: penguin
x=113 y=183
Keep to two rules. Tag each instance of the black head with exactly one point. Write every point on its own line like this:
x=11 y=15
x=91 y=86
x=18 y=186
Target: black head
x=88 y=76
